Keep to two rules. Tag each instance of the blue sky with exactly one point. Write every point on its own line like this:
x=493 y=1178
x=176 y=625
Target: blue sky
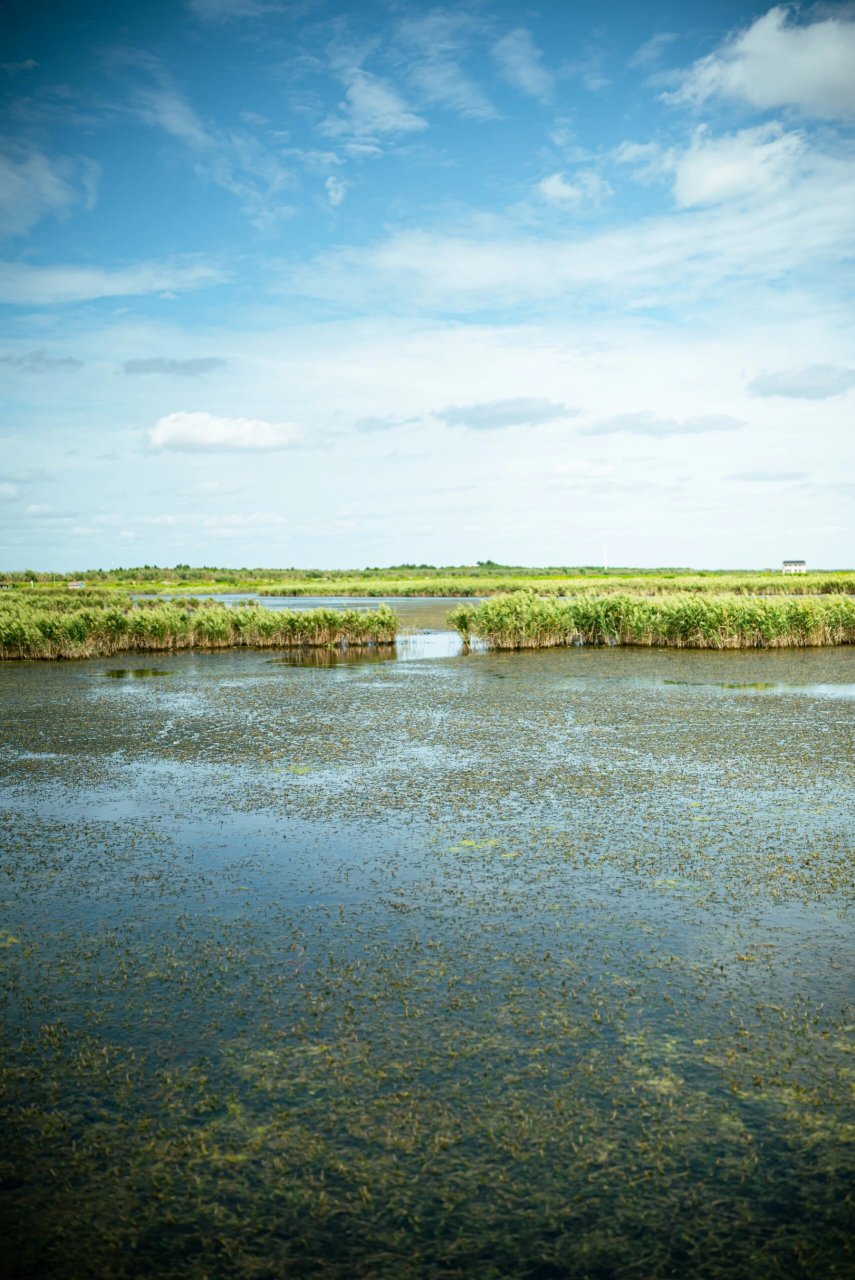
x=344 y=285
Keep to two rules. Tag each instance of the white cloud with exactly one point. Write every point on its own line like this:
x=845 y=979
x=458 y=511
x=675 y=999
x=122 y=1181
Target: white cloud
x=371 y=107
x=585 y=188
x=521 y=64
x=192 y=432
x=693 y=252
x=439 y=38
x=33 y=185
x=8 y=491
x=816 y=382
x=162 y=106
x=495 y=415
x=336 y=189
x=26 y=285
x=645 y=423
x=649 y=53
x=776 y=63
x=757 y=161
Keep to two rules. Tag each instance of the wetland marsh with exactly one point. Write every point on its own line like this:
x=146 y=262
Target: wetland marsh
x=525 y=964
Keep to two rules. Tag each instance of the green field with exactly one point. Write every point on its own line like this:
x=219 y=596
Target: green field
x=483 y=579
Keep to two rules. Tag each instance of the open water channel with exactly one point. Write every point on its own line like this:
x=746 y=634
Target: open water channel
x=497 y=965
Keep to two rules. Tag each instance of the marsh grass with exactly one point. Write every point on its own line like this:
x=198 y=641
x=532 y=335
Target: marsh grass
x=530 y=621
x=49 y=628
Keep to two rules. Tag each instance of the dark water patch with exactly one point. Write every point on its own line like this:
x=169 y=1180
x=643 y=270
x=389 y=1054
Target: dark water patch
x=135 y=673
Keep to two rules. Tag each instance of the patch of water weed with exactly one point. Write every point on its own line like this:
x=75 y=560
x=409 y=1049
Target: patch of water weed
x=541 y=977
x=135 y=673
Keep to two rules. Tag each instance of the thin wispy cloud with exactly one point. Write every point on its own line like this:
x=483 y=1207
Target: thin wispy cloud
x=645 y=423
x=34 y=185
x=25 y=285
x=371 y=107
x=497 y=415
x=520 y=63
x=218 y=11
x=432 y=48
x=237 y=160
x=649 y=54
x=767 y=477
x=195 y=367
x=815 y=382
x=39 y=361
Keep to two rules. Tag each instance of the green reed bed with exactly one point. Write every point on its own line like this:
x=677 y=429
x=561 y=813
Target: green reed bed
x=529 y=621
x=96 y=628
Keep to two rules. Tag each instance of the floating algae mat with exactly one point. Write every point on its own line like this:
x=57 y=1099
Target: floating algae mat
x=510 y=965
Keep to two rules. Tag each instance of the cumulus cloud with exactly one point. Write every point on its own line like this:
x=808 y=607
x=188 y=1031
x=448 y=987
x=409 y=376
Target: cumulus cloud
x=584 y=188
x=816 y=382
x=336 y=189
x=25 y=285
x=193 y=368
x=520 y=63
x=776 y=63
x=645 y=423
x=39 y=361
x=759 y=161
x=207 y=432
x=494 y=415
x=33 y=185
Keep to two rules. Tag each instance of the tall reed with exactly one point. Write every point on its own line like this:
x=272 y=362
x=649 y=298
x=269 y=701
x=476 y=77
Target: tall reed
x=526 y=620
x=39 y=630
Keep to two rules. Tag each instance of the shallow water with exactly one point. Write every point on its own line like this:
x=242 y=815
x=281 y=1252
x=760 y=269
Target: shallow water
x=533 y=964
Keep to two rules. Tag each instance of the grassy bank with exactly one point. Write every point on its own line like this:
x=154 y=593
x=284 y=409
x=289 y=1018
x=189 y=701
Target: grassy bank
x=46 y=628
x=484 y=579
x=529 y=621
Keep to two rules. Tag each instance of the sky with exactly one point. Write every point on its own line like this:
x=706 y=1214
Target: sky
x=345 y=285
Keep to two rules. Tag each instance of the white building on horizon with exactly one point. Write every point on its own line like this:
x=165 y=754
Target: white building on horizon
x=794 y=566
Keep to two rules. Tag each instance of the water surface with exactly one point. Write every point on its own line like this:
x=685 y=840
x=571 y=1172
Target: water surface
x=532 y=964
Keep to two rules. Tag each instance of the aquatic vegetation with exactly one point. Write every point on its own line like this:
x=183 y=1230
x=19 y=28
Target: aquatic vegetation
x=527 y=620
x=409 y=971
x=48 y=628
